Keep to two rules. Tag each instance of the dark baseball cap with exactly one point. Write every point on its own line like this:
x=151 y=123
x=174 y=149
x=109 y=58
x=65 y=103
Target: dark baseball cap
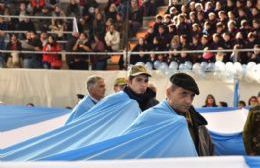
x=185 y=81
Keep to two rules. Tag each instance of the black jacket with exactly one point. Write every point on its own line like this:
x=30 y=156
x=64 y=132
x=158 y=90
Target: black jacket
x=202 y=140
x=145 y=100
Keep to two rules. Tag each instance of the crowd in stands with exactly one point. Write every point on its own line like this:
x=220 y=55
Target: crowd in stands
x=204 y=25
x=197 y=25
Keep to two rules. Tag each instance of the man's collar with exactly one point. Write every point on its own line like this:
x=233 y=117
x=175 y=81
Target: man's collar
x=93 y=99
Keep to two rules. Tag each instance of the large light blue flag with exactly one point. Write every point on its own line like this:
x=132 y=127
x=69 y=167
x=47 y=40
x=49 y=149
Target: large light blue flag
x=107 y=119
x=82 y=107
x=12 y=117
x=157 y=133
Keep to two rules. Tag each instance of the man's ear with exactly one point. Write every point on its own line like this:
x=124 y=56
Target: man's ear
x=168 y=90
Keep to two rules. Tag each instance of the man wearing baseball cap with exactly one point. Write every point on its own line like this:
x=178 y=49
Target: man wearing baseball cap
x=119 y=84
x=137 y=87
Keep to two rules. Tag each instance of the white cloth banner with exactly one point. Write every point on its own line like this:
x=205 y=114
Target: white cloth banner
x=58 y=88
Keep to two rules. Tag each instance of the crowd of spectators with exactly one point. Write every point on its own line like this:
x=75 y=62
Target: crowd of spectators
x=204 y=25
x=100 y=30
x=197 y=25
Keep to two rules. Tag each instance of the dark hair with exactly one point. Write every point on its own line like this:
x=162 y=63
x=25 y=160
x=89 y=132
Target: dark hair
x=242 y=102
x=30 y=104
x=214 y=100
x=223 y=104
x=252 y=97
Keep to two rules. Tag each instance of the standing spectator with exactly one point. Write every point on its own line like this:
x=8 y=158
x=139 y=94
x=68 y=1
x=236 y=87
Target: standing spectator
x=69 y=46
x=99 y=62
x=49 y=60
x=135 y=17
x=14 y=60
x=44 y=23
x=99 y=24
x=32 y=43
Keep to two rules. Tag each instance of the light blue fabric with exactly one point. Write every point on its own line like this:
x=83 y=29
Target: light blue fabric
x=83 y=106
x=107 y=119
x=252 y=161
x=157 y=133
x=228 y=144
x=12 y=117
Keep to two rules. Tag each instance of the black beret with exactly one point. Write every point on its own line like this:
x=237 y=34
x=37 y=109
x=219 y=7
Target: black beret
x=185 y=81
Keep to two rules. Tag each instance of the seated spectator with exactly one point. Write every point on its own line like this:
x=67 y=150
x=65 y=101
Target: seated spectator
x=210 y=101
x=81 y=45
x=221 y=56
x=112 y=39
x=255 y=56
x=141 y=46
x=51 y=61
x=237 y=56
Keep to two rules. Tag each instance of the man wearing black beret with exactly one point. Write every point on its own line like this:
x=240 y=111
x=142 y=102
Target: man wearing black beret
x=180 y=95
